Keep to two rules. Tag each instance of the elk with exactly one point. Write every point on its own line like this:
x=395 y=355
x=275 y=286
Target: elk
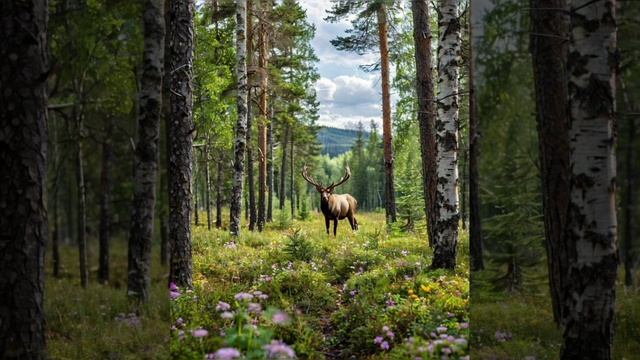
x=335 y=206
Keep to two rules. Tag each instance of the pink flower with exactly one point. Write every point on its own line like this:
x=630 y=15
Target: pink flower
x=174 y=294
x=280 y=318
x=199 y=333
x=224 y=354
x=173 y=287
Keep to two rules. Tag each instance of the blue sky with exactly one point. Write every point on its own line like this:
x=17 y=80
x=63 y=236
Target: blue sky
x=346 y=93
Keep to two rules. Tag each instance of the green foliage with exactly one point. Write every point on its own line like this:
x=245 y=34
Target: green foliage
x=299 y=248
x=310 y=277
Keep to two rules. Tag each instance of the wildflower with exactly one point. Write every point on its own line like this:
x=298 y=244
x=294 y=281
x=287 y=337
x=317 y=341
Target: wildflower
x=404 y=253
x=353 y=293
x=463 y=342
x=180 y=334
x=391 y=303
x=441 y=329
x=255 y=308
x=390 y=335
x=179 y=322
x=174 y=294
x=384 y=345
x=385 y=328
x=224 y=354
x=199 y=333
x=227 y=315
x=173 y=287
x=378 y=340
x=280 y=318
x=279 y=350
x=464 y=325
x=231 y=245
x=223 y=306
x=243 y=296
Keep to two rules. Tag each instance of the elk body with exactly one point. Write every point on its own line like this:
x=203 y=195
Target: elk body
x=335 y=206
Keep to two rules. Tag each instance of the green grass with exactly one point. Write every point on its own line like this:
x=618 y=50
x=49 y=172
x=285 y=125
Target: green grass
x=527 y=316
x=339 y=293
x=87 y=323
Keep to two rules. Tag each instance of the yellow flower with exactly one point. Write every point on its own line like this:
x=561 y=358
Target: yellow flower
x=426 y=289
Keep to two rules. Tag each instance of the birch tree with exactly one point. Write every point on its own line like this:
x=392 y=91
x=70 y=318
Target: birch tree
x=146 y=152
x=241 y=124
x=23 y=154
x=589 y=294
x=449 y=48
x=180 y=133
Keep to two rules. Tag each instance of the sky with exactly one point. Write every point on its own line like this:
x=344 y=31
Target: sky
x=346 y=94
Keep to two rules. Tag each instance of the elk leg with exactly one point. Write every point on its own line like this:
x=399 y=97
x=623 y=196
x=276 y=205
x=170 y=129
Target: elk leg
x=326 y=223
x=355 y=223
x=335 y=227
x=352 y=222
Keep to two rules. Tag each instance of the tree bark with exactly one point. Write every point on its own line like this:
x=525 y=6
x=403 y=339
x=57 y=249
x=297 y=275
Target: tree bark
x=146 y=152
x=549 y=55
x=446 y=227
x=292 y=187
x=475 y=223
x=105 y=207
x=219 y=184
x=23 y=155
x=181 y=129
x=241 y=125
x=55 y=233
x=283 y=167
x=588 y=297
x=629 y=200
x=81 y=202
x=207 y=174
x=264 y=108
x=251 y=205
x=390 y=197
x=426 y=110
x=270 y=172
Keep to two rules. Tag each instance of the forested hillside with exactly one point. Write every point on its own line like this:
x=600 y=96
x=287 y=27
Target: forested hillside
x=336 y=141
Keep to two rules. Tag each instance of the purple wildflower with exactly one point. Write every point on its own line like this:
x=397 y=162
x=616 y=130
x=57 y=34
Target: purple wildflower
x=390 y=335
x=391 y=303
x=378 y=340
x=280 y=318
x=279 y=350
x=199 y=333
x=243 y=296
x=224 y=354
x=464 y=325
x=384 y=345
x=173 y=287
x=174 y=294
x=255 y=308
x=441 y=329
x=226 y=315
x=223 y=306
x=385 y=328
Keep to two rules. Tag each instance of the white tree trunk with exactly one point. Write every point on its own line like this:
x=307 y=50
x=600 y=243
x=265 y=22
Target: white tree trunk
x=241 y=125
x=449 y=48
x=590 y=295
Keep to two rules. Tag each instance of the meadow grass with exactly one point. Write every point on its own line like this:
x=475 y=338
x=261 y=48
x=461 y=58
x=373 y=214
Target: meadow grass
x=368 y=294
x=520 y=325
x=100 y=322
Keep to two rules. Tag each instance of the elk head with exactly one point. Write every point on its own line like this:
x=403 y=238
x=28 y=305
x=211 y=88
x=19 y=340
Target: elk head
x=334 y=207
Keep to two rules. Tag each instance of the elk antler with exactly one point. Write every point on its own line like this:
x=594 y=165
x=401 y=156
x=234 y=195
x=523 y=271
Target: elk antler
x=309 y=179
x=347 y=175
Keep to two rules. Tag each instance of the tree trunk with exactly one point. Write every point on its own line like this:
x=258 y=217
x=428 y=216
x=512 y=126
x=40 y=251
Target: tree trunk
x=165 y=245
x=207 y=174
x=390 y=197
x=446 y=229
x=81 y=204
x=241 y=126
x=549 y=55
x=146 y=152
x=629 y=201
x=588 y=297
x=283 y=167
x=180 y=130
x=264 y=108
x=55 y=233
x=219 y=185
x=270 y=172
x=426 y=110
x=23 y=155
x=475 y=224
x=105 y=207
x=251 y=204
x=194 y=190
x=292 y=187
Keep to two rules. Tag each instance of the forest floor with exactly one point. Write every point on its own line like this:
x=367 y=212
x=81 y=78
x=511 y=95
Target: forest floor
x=363 y=295
x=100 y=322
x=520 y=325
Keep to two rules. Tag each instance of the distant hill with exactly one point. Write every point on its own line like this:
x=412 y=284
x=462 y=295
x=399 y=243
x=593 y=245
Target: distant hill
x=337 y=141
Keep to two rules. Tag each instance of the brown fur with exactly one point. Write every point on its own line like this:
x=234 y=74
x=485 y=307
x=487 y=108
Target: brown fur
x=335 y=206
